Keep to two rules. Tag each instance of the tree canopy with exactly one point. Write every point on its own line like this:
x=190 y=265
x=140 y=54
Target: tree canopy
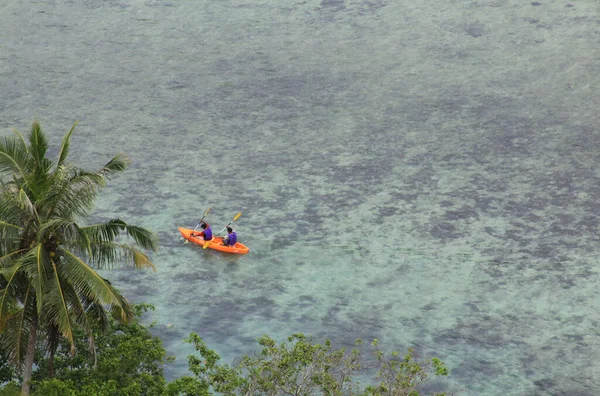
x=48 y=282
x=130 y=360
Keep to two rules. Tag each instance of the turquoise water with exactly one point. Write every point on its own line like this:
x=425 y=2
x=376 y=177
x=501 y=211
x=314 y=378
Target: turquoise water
x=424 y=173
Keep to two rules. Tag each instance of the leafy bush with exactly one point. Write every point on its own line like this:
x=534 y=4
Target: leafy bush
x=129 y=361
x=300 y=367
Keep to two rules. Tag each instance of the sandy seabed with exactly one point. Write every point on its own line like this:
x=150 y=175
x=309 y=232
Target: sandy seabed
x=421 y=172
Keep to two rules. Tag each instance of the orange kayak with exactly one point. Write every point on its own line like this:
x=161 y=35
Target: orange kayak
x=216 y=242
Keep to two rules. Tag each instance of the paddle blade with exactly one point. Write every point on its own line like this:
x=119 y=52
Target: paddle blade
x=206 y=244
x=207 y=212
x=237 y=216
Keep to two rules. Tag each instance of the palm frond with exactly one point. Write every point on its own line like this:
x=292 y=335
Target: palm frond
x=117 y=164
x=78 y=313
x=78 y=304
x=26 y=203
x=14 y=157
x=21 y=139
x=73 y=193
x=141 y=260
x=142 y=237
x=39 y=166
x=25 y=322
x=9 y=237
x=12 y=208
x=18 y=326
x=64 y=147
x=84 y=312
x=8 y=296
x=107 y=232
x=8 y=272
x=38 y=181
x=56 y=306
x=63 y=229
x=38 y=143
x=41 y=261
x=79 y=242
x=104 y=232
x=14 y=217
x=124 y=312
x=86 y=281
x=4 y=224
x=98 y=314
x=7 y=263
x=34 y=265
x=108 y=255
x=52 y=335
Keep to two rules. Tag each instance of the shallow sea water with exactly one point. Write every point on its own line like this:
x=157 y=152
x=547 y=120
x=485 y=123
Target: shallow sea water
x=420 y=172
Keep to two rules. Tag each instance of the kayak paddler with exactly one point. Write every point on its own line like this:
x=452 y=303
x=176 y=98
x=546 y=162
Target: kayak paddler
x=206 y=233
x=231 y=237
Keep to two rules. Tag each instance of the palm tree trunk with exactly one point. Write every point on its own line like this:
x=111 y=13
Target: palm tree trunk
x=29 y=356
x=51 y=364
x=52 y=338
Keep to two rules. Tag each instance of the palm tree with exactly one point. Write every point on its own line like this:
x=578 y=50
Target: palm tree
x=48 y=282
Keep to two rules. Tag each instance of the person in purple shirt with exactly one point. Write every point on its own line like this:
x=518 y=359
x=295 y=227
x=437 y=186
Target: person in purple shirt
x=207 y=232
x=231 y=237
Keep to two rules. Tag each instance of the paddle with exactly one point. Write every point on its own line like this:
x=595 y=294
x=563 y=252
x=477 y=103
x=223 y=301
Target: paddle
x=237 y=216
x=205 y=214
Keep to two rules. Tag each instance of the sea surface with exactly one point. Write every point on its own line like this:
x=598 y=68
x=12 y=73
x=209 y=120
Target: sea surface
x=421 y=172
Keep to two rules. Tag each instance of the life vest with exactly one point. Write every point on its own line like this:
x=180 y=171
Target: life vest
x=207 y=233
x=232 y=238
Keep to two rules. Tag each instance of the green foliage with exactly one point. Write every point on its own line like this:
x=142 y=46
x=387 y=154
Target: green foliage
x=187 y=386
x=48 y=282
x=55 y=387
x=129 y=360
x=403 y=377
x=300 y=367
x=12 y=388
x=7 y=372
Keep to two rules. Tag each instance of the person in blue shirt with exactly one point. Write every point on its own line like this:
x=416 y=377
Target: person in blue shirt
x=206 y=231
x=231 y=237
